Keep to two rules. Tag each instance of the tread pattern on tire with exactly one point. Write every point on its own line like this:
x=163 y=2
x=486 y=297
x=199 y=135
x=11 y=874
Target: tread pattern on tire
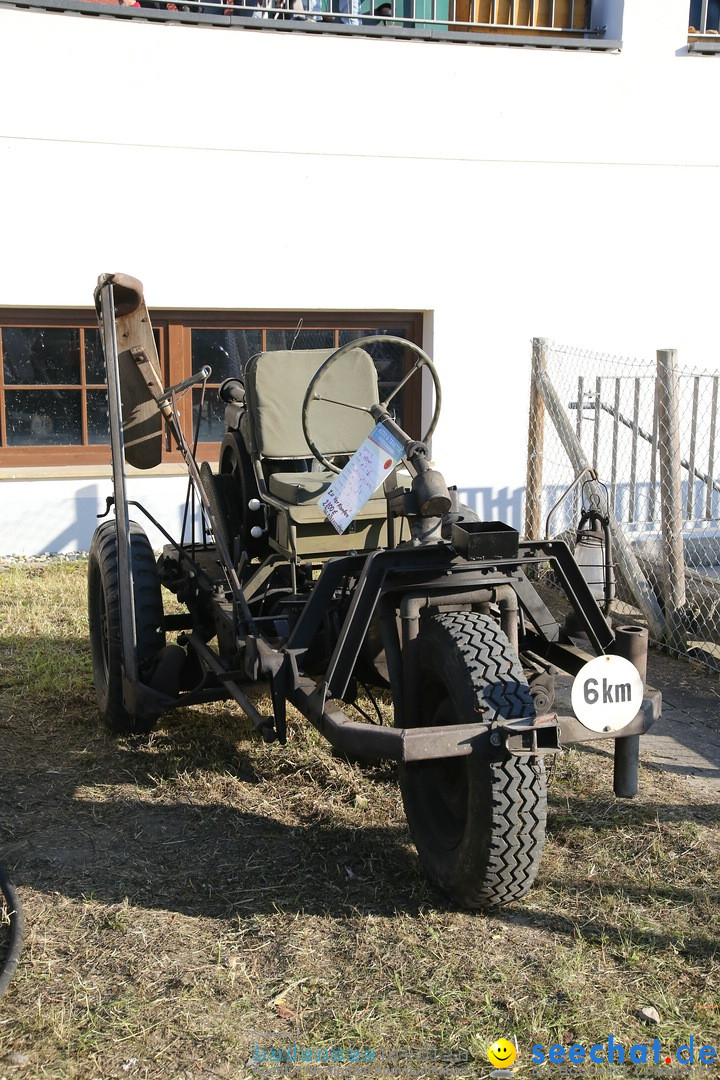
x=150 y=634
x=495 y=670
x=520 y=811
x=483 y=676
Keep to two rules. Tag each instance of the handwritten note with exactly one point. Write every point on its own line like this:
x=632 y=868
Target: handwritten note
x=361 y=477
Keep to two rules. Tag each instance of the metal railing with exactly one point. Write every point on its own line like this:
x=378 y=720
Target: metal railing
x=553 y=19
x=704 y=18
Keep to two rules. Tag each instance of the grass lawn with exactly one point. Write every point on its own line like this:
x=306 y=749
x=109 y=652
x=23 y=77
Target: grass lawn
x=197 y=897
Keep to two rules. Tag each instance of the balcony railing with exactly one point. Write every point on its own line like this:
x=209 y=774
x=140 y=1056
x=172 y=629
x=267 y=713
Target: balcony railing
x=547 y=17
x=553 y=21
x=704 y=20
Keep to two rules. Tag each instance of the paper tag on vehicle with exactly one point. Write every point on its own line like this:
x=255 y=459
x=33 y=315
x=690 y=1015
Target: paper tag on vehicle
x=607 y=693
x=361 y=477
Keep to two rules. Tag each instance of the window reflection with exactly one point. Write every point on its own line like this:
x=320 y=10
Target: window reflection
x=353 y=335
x=211 y=415
x=43 y=417
x=388 y=359
x=98 y=422
x=54 y=376
x=227 y=352
x=34 y=355
x=94 y=359
x=300 y=339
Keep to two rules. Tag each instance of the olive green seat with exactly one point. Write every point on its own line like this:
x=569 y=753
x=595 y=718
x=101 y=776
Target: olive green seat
x=289 y=477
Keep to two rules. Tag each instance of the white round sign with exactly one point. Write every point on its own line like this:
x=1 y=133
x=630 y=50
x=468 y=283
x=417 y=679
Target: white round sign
x=607 y=693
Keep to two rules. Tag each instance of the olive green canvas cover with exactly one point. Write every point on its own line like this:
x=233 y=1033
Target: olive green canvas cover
x=275 y=386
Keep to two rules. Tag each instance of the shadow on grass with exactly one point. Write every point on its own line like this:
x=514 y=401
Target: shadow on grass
x=618 y=935
x=83 y=816
x=575 y=811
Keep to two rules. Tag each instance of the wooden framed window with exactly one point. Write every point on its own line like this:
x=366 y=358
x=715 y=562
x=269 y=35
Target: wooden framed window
x=53 y=397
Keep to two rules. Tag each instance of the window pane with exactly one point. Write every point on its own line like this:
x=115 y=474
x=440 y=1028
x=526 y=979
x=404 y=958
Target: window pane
x=225 y=351
x=97 y=417
x=389 y=359
x=353 y=335
x=212 y=421
x=41 y=355
x=94 y=359
x=43 y=417
x=388 y=362
x=300 y=339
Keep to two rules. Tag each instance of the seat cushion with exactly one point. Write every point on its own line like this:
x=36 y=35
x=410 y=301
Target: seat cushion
x=275 y=386
x=302 y=488
x=298 y=488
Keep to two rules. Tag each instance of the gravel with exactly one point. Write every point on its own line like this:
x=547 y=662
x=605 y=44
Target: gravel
x=44 y=558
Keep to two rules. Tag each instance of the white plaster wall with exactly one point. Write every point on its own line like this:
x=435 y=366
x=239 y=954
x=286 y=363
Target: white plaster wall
x=61 y=514
x=509 y=193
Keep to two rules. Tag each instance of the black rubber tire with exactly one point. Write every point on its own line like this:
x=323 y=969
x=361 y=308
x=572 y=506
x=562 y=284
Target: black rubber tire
x=11 y=938
x=478 y=825
x=235 y=462
x=104 y=621
x=221 y=491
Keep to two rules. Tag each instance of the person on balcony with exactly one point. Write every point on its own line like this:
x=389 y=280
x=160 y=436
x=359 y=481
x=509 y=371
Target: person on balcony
x=349 y=9
x=712 y=25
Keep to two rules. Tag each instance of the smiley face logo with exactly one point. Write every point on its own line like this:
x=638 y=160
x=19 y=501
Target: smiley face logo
x=502 y=1053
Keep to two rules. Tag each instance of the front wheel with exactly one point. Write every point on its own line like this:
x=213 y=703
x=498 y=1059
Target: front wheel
x=104 y=623
x=478 y=824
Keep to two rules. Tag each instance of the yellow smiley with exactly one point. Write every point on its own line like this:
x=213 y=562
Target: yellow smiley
x=502 y=1053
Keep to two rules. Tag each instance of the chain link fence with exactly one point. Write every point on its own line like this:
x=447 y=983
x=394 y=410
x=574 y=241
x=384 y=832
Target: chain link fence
x=650 y=432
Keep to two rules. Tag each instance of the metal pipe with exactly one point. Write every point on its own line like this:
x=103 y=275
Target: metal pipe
x=411 y=606
x=507 y=601
x=410 y=629
x=262 y=723
x=393 y=659
x=589 y=472
x=631 y=642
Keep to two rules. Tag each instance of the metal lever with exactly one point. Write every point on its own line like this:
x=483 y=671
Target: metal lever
x=200 y=376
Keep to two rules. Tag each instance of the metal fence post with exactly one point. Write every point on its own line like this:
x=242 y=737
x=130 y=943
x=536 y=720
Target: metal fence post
x=536 y=441
x=671 y=507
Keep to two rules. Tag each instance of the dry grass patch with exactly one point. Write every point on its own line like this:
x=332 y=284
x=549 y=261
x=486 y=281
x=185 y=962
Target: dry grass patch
x=185 y=891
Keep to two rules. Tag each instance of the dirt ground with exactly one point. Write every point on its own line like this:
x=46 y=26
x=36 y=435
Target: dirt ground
x=686 y=741
x=196 y=896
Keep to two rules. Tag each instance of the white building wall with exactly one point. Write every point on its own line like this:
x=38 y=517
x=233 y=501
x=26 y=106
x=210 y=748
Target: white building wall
x=507 y=192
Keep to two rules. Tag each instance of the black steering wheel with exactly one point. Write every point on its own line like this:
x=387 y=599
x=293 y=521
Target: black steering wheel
x=311 y=394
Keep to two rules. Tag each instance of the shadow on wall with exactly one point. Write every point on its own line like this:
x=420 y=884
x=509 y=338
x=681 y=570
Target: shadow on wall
x=496 y=504
x=34 y=510
x=77 y=535
x=38 y=518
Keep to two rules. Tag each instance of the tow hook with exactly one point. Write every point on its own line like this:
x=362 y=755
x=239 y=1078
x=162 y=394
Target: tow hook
x=533 y=736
